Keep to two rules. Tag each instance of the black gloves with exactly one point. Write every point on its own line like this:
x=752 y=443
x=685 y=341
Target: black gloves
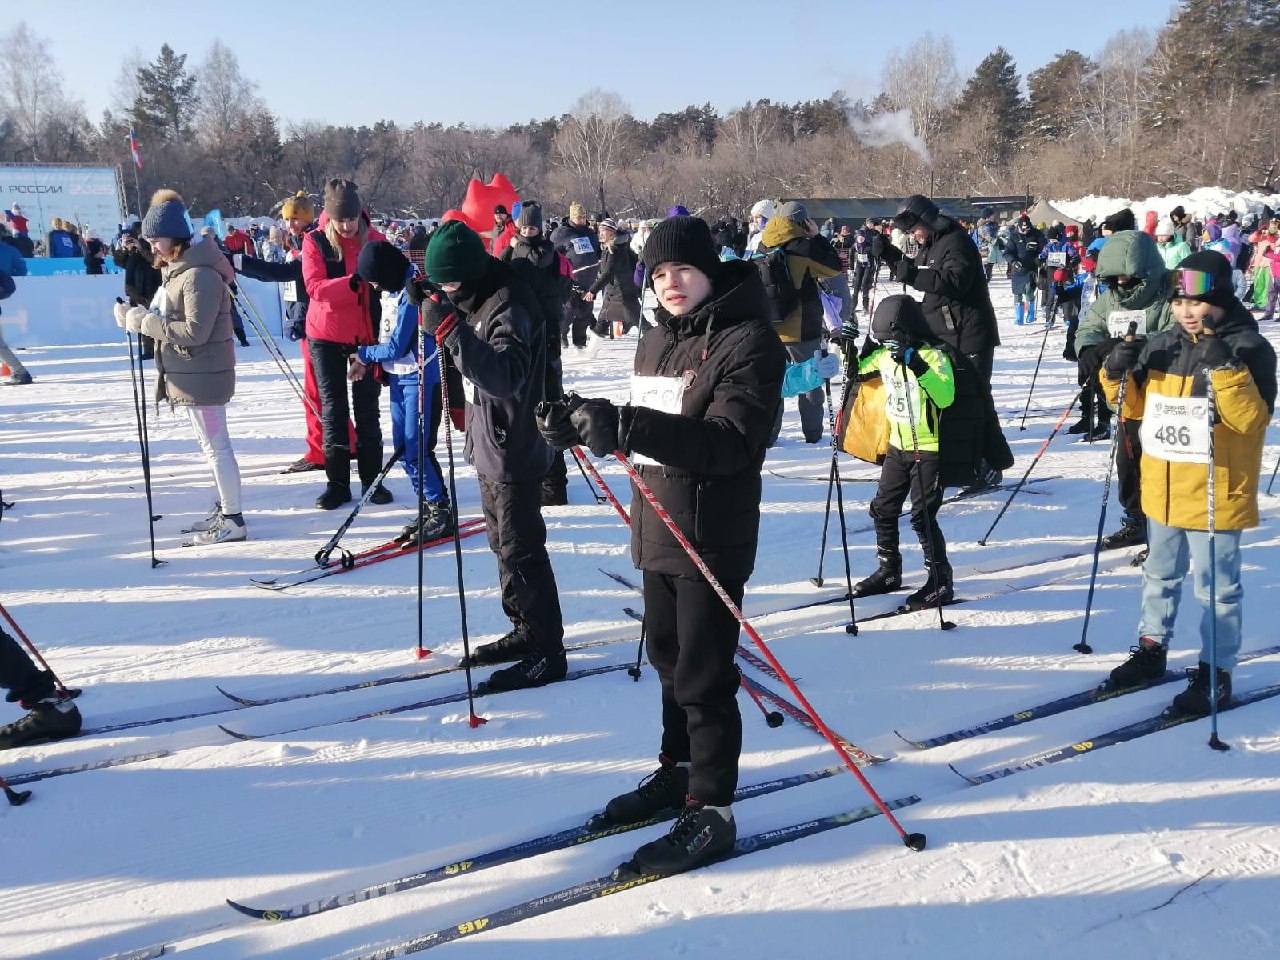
x=597 y=424
x=1123 y=357
x=1090 y=359
x=904 y=271
x=353 y=282
x=438 y=317
x=1215 y=352
x=417 y=290
x=553 y=422
x=910 y=358
x=891 y=254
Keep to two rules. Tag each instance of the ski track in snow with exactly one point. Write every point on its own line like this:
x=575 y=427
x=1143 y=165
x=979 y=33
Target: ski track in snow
x=1158 y=847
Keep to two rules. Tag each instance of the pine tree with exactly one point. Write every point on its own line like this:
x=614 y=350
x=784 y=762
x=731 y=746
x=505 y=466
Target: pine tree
x=994 y=87
x=1054 y=95
x=166 y=104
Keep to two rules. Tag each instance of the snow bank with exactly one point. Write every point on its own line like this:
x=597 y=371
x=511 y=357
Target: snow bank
x=1200 y=202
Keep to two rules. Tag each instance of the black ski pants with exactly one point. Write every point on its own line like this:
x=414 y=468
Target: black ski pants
x=329 y=361
x=518 y=539
x=691 y=638
x=19 y=675
x=901 y=477
x=578 y=318
x=864 y=278
x=1128 y=458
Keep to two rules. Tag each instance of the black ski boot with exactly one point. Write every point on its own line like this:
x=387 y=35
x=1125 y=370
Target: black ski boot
x=1131 y=533
x=1101 y=431
x=437 y=523
x=886 y=579
x=535 y=670
x=514 y=646
x=337 y=470
x=1194 y=701
x=664 y=789
x=1080 y=426
x=937 y=589
x=370 y=465
x=380 y=496
x=700 y=835
x=48 y=720
x=1146 y=663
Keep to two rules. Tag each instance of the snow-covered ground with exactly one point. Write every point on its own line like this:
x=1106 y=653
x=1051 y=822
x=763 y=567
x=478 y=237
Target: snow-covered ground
x=1200 y=202
x=1158 y=848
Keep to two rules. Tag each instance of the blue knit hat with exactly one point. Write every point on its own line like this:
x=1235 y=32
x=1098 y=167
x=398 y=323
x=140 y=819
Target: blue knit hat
x=167 y=217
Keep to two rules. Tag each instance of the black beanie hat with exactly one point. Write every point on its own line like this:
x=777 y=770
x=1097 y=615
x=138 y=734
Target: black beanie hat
x=918 y=210
x=682 y=240
x=1121 y=220
x=1216 y=265
x=382 y=264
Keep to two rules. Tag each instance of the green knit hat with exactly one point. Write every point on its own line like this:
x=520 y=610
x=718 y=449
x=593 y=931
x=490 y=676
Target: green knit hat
x=455 y=254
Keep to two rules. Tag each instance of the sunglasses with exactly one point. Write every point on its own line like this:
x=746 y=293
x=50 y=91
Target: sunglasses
x=1192 y=283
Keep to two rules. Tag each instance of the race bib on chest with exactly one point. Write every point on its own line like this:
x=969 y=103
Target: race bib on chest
x=1056 y=259
x=862 y=257
x=289 y=290
x=582 y=246
x=1176 y=429
x=897 y=400
x=1118 y=323
x=665 y=394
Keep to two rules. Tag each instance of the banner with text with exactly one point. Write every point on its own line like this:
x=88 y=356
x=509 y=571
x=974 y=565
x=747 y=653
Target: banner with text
x=89 y=196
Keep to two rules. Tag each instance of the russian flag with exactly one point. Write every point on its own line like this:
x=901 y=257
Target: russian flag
x=133 y=148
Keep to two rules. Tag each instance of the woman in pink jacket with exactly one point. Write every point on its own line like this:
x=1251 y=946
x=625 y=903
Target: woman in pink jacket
x=339 y=320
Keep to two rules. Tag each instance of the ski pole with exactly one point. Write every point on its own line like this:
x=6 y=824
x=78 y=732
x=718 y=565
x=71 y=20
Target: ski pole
x=144 y=440
x=772 y=717
x=16 y=798
x=63 y=693
x=322 y=555
x=589 y=467
x=1083 y=645
x=1214 y=741
x=1035 y=375
x=596 y=494
x=826 y=521
x=421 y=652
x=273 y=348
x=473 y=719
x=1034 y=460
x=852 y=626
x=1273 y=476
x=915 y=841
x=929 y=521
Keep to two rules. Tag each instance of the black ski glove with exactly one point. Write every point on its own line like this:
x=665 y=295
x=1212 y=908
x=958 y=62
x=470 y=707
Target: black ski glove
x=910 y=358
x=553 y=422
x=438 y=317
x=1123 y=357
x=904 y=271
x=597 y=424
x=1215 y=352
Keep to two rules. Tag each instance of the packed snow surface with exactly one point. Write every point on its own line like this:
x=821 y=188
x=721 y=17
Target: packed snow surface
x=1200 y=202
x=1159 y=848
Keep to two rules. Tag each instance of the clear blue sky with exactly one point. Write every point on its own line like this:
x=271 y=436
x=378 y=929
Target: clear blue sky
x=497 y=62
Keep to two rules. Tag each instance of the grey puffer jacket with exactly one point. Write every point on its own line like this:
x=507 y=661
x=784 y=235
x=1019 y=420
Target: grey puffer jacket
x=195 y=354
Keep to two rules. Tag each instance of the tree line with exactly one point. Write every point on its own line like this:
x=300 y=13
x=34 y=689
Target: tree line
x=1195 y=102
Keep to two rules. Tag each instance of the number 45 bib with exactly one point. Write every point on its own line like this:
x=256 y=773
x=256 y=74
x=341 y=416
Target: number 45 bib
x=1176 y=429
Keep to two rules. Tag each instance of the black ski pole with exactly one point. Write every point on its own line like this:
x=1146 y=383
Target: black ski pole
x=852 y=626
x=826 y=521
x=137 y=377
x=272 y=347
x=1212 y=514
x=1036 y=374
x=1034 y=460
x=1083 y=645
x=16 y=798
x=322 y=555
x=422 y=652
x=599 y=497
x=473 y=719
x=929 y=521
x=772 y=717
x=1272 y=481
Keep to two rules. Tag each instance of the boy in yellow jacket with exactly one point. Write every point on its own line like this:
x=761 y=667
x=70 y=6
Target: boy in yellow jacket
x=1215 y=338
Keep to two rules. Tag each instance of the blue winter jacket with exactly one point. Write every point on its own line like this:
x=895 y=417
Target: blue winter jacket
x=11 y=261
x=403 y=343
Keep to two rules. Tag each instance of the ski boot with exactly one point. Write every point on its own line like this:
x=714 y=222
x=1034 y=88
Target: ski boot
x=535 y=670
x=937 y=589
x=515 y=645
x=1146 y=663
x=700 y=835
x=1131 y=533
x=1194 y=701
x=49 y=719
x=663 y=790
x=886 y=579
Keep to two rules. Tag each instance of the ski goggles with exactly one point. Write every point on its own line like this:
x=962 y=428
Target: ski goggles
x=1192 y=283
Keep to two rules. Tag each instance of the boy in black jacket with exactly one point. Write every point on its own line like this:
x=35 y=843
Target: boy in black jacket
x=707 y=384
x=492 y=330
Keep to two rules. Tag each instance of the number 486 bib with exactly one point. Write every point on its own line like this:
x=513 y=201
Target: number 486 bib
x=1176 y=429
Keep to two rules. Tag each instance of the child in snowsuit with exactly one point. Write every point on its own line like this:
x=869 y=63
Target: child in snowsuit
x=1215 y=339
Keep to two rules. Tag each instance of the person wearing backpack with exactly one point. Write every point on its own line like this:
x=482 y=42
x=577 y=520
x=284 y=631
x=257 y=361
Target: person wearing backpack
x=796 y=257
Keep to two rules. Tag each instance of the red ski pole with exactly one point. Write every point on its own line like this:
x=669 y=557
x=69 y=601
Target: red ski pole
x=63 y=693
x=916 y=841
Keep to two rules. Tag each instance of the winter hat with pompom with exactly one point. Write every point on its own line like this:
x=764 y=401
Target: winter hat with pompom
x=299 y=205
x=167 y=217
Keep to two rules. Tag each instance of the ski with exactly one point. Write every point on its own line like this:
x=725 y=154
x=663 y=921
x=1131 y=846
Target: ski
x=459 y=697
x=1099 y=694
x=37 y=775
x=355 y=561
x=619 y=880
x=1153 y=724
x=560 y=840
x=152 y=721
x=951 y=499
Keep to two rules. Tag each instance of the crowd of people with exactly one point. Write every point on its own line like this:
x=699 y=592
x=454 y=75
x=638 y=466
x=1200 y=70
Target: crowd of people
x=733 y=317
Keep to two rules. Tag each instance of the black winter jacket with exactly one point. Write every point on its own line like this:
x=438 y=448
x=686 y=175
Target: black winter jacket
x=957 y=303
x=732 y=362
x=141 y=279
x=501 y=350
x=582 y=248
x=536 y=263
x=615 y=277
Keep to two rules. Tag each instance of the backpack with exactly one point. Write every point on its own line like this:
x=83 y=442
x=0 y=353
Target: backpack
x=780 y=292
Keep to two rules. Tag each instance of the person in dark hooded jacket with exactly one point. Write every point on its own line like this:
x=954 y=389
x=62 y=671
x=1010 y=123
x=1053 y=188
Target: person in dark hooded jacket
x=492 y=330
x=708 y=379
x=1023 y=250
